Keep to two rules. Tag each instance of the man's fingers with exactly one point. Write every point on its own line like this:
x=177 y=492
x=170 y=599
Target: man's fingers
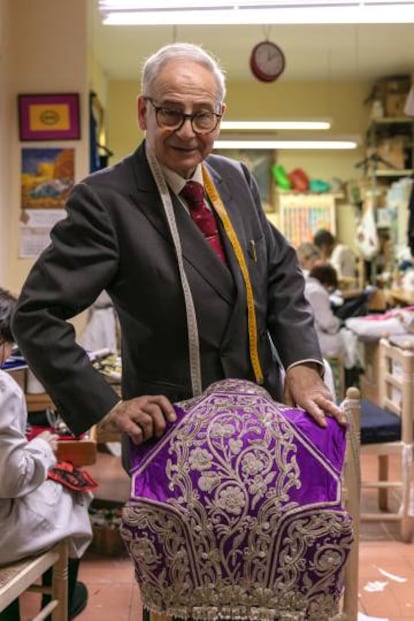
x=165 y=406
x=318 y=415
x=320 y=408
x=141 y=418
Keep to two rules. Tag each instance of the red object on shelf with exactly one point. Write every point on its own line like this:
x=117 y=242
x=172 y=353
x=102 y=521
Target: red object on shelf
x=299 y=180
x=36 y=429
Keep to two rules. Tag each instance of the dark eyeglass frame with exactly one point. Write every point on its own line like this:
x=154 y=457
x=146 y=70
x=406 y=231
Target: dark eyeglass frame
x=184 y=117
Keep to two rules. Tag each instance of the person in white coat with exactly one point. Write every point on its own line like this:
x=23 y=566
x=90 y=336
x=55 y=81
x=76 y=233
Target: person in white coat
x=340 y=256
x=320 y=283
x=35 y=512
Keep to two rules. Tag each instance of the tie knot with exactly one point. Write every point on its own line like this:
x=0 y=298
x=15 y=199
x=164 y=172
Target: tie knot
x=193 y=193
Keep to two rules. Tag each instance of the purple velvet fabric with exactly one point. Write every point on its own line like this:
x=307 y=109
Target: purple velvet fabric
x=236 y=512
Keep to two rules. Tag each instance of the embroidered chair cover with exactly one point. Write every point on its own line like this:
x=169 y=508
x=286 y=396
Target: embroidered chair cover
x=236 y=512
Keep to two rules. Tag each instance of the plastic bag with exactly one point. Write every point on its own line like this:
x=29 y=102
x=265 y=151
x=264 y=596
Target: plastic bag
x=366 y=233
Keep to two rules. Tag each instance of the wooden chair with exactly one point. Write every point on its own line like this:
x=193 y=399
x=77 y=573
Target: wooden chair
x=21 y=576
x=352 y=491
x=386 y=430
x=352 y=487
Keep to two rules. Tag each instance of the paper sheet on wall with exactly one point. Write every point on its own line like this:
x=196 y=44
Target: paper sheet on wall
x=35 y=230
x=47 y=176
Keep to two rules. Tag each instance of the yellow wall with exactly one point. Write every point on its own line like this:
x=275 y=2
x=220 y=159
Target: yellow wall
x=46 y=53
x=44 y=48
x=5 y=133
x=342 y=103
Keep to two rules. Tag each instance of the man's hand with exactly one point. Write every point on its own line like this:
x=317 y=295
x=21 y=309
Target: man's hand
x=305 y=388
x=140 y=418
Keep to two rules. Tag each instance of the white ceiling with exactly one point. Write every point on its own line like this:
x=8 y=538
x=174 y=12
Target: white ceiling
x=313 y=52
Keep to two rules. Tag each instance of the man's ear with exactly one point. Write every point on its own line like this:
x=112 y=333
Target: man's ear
x=141 y=112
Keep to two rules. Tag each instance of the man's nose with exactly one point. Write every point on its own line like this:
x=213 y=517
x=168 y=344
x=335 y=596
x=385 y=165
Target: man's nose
x=186 y=129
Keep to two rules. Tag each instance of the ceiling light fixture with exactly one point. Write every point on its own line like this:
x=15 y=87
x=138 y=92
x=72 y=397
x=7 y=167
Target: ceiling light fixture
x=274 y=125
x=339 y=144
x=204 y=12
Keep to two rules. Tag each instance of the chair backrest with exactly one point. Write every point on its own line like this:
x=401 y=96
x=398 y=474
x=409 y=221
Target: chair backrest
x=396 y=383
x=352 y=491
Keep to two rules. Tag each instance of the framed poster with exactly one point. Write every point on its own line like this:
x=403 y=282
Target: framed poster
x=49 y=117
x=47 y=176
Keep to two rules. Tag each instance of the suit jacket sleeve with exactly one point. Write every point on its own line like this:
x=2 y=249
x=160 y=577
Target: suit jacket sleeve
x=65 y=280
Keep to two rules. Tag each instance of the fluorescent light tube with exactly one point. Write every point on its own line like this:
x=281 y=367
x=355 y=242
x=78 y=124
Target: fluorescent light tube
x=247 y=12
x=285 y=144
x=273 y=125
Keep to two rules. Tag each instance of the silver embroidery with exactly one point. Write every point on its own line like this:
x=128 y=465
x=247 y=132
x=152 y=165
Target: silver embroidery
x=230 y=508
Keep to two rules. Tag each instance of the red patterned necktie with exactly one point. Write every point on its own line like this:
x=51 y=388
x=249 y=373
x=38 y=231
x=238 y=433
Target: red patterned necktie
x=193 y=194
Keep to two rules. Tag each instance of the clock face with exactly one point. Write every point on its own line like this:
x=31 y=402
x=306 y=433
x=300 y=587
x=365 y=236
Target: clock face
x=267 y=61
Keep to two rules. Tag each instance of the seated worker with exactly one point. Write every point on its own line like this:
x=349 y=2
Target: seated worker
x=334 y=339
x=321 y=282
x=340 y=256
x=308 y=255
x=35 y=511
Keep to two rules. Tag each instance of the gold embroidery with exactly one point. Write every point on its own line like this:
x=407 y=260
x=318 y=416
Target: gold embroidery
x=235 y=544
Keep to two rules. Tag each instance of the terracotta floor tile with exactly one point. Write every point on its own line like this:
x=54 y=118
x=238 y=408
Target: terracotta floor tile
x=108 y=602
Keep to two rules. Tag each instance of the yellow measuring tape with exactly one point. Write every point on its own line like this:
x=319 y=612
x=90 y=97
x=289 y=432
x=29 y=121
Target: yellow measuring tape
x=231 y=234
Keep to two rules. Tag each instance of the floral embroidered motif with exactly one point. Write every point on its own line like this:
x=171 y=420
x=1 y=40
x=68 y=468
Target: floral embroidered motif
x=236 y=512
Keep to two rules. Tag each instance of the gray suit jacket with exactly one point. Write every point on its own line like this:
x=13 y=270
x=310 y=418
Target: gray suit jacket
x=115 y=237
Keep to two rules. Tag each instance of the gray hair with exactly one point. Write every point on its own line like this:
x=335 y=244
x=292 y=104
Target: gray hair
x=182 y=51
x=306 y=251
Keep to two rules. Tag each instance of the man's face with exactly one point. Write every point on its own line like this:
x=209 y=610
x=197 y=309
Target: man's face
x=189 y=88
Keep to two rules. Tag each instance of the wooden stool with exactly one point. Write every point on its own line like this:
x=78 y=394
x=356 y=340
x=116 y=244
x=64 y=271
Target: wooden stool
x=21 y=576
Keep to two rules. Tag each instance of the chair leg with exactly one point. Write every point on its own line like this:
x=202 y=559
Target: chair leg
x=60 y=584
x=407 y=528
x=407 y=521
x=383 y=476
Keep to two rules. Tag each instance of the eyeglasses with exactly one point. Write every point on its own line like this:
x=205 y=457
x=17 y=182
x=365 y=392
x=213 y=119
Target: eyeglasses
x=170 y=118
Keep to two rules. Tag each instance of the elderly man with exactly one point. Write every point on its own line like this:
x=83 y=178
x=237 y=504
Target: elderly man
x=201 y=281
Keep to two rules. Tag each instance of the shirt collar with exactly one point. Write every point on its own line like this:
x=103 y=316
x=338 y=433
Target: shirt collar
x=176 y=182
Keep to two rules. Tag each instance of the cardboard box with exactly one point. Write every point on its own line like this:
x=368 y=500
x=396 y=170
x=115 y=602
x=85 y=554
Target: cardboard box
x=392 y=84
x=105 y=518
x=392 y=151
x=394 y=104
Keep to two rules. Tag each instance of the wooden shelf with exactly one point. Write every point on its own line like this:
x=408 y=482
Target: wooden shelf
x=406 y=172
x=398 y=120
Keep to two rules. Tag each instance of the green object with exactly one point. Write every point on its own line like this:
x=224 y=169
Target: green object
x=280 y=177
x=318 y=185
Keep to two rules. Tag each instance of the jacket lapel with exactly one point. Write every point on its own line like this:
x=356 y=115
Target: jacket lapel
x=195 y=248
x=231 y=208
x=240 y=299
